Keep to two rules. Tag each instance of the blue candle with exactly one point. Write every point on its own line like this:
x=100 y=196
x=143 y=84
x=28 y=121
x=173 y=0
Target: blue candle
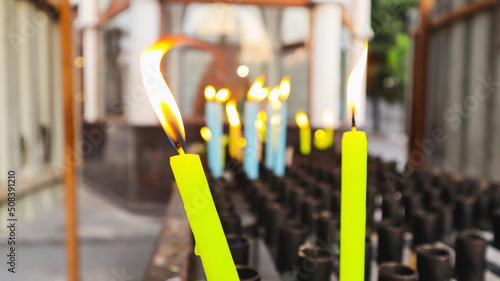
x=213 y=116
x=250 y=159
x=272 y=107
x=279 y=164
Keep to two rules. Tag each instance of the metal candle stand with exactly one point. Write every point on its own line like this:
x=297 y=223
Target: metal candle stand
x=297 y=216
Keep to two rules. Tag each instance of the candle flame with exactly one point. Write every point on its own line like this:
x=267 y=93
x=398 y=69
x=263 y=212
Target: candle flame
x=302 y=120
x=257 y=92
x=284 y=88
x=262 y=115
x=328 y=118
x=232 y=113
x=274 y=95
x=159 y=94
x=276 y=119
x=320 y=134
x=222 y=95
x=259 y=125
x=242 y=142
x=210 y=92
x=276 y=105
x=206 y=134
x=355 y=81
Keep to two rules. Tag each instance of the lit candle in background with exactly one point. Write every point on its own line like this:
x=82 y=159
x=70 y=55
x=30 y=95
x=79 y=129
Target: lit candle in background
x=206 y=134
x=353 y=192
x=250 y=160
x=213 y=119
x=234 y=129
x=304 y=133
x=260 y=125
x=272 y=107
x=275 y=124
x=211 y=243
x=221 y=97
x=279 y=165
x=328 y=121
x=320 y=140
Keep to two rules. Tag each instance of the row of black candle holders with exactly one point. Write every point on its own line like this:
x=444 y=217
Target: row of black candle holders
x=298 y=218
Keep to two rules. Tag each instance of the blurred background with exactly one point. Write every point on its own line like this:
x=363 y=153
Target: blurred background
x=430 y=99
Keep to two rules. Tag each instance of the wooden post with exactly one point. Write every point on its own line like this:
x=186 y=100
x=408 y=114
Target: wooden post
x=420 y=81
x=69 y=137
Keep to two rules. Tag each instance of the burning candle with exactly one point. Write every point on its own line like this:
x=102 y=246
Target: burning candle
x=206 y=134
x=304 y=133
x=260 y=125
x=275 y=123
x=250 y=161
x=211 y=244
x=234 y=130
x=272 y=107
x=213 y=117
x=353 y=192
x=328 y=121
x=279 y=165
x=320 y=139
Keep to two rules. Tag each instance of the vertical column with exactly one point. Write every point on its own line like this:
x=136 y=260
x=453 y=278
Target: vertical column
x=475 y=102
x=27 y=104
x=145 y=14
x=493 y=84
x=325 y=61
x=13 y=138
x=88 y=19
x=457 y=81
x=44 y=69
x=4 y=106
x=272 y=19
x=57 y=127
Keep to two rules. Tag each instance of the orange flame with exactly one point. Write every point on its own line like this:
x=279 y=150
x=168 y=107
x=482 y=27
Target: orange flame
x=259 y=125
x=328 y=118
x=302 y=120
x=210 y=92
x=222 y=95
x=284 y=88
x=257 y=92
x=206 y=134
x=232 y=113
x=159 y=94
x=276 y=119
x=262 y=115
x=355 y=81
x=274 y=95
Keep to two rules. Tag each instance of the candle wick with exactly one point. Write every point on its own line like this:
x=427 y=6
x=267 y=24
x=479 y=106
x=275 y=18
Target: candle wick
x=353 y=120
x=179 y=148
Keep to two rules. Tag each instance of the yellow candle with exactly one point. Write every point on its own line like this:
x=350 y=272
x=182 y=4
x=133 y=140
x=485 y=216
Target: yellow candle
x=320 y=140
x=211 y=243
x=328 y=120
x=304 y=133
x=234 y=130
x=353 y=190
